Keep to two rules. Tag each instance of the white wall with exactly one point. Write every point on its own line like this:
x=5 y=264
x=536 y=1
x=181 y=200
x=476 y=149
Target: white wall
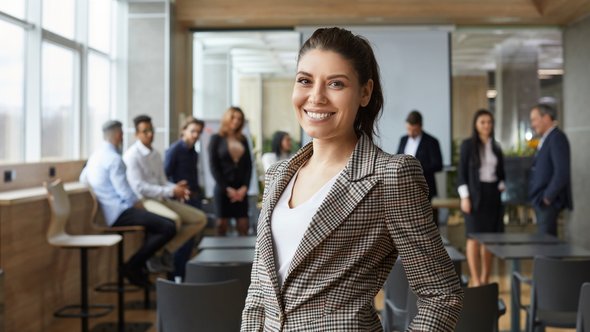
x=415 y=74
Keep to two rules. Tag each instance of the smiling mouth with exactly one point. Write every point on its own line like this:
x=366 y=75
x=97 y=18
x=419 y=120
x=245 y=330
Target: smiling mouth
x=319 y=115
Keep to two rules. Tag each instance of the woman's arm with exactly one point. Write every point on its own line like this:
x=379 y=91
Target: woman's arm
x=215 y=161
x=428 y=267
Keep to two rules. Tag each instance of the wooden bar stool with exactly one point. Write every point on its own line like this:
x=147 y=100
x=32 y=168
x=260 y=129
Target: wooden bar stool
x=120 y=287
x=59 y=204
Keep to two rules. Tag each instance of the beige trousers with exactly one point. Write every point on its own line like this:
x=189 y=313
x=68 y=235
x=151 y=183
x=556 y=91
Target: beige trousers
x=189 y=221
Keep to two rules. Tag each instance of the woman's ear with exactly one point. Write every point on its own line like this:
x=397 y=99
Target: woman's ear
x=366 y=92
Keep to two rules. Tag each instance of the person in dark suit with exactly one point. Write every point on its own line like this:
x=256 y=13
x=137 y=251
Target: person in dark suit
x=425 y=148
x=550 y=188
x=481 y=179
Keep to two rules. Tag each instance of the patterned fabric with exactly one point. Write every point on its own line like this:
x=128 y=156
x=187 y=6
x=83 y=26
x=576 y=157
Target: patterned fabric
x=377 y=209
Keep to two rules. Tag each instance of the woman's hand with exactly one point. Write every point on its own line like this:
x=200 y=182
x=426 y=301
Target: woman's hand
x=466 y=205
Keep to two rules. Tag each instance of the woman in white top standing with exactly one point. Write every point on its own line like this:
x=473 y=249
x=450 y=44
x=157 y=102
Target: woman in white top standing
x=481 y=180
x=281 y=149
x=336 y=215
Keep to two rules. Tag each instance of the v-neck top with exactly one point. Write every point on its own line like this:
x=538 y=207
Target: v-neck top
x=288 y=224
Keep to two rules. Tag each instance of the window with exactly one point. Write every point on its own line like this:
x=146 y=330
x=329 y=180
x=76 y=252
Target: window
x=14 y=8
x=59 y=17
x=11 y=92
x=57 y=102
x=99 y=25
x=98 y=98
x=56 y=66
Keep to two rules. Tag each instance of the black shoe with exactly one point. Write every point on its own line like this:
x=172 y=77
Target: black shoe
x=136 y=276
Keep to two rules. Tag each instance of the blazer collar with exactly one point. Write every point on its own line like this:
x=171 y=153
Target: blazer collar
x=349 y=189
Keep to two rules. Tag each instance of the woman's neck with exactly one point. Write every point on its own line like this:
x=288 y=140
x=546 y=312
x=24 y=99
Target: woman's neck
x=484 y=139
x=332 y=154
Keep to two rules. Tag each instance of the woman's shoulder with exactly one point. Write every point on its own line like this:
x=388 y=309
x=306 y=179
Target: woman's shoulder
x=387 y=162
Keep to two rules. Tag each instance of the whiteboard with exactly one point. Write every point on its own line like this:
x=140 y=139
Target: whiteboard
x=415 y=74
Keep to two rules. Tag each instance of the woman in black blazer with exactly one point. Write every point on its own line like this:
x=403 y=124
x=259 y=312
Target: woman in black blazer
x=231 y=167
x=481 y=180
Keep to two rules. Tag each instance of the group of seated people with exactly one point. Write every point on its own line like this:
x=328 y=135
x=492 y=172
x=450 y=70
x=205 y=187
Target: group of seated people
x=134 y=190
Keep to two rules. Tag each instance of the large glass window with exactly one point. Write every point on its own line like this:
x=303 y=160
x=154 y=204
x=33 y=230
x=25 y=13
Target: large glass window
x=99 y=25
x=11 y=92
x=98 y=98
x=14 y=8
x=59 y=16
x=57 y=102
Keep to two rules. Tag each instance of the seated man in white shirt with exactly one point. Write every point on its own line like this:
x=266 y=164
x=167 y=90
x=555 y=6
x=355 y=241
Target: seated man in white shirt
x=105 y=173
x=145 y=173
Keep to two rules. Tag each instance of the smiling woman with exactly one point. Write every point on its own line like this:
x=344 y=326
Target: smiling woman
x=336 y=216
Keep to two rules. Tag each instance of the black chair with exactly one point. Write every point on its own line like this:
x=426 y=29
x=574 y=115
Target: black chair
x=208 y=307
x=201 y=273
x=583 y=321
x=554 y=294
x=396 y=288
x=480 y=309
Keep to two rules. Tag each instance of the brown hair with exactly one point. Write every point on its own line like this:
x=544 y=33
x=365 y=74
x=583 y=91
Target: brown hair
x=358 y=51
x=224 y=129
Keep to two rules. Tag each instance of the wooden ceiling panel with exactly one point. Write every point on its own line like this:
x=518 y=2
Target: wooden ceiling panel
x=282 y=13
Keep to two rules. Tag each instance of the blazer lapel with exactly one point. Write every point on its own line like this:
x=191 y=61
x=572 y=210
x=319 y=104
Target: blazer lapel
x=349 y=189
x=276 y=187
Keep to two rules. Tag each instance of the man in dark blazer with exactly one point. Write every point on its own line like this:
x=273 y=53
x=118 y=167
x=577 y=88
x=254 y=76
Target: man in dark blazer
x=425 y=148
x=550 y=188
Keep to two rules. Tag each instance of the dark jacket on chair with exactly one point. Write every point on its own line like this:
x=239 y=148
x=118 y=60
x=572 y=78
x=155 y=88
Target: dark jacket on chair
x=428 y=153
x=550 y=174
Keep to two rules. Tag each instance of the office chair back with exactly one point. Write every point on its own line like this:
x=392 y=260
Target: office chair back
x=396 y=293
x=207 y=307
x=555 y=292
x=480 y=309
x=59 y=203
x=583 y=322
x=197 y=273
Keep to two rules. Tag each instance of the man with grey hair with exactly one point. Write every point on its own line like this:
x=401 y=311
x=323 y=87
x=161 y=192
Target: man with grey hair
x=550 y=180
x=105 y=174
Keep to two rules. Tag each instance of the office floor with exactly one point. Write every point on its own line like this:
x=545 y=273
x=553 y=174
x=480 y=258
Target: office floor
x=500 y=271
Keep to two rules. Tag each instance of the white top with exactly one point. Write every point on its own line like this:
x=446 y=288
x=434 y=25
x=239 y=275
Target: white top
x=145 y=172
x=412 y=145
x=487 y=169
x=269 y=158
x=288 y=225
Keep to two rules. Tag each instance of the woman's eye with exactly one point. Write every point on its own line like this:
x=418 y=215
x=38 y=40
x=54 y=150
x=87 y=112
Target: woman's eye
x=336 y=84
x=303 y=81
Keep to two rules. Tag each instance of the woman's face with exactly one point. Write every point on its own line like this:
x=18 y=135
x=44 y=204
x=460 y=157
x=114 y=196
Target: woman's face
x=236 y=121
x=327 y=95
x=484 y=125
x=286 y=143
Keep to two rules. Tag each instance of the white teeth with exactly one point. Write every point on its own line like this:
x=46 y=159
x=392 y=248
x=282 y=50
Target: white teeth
x=318 y=116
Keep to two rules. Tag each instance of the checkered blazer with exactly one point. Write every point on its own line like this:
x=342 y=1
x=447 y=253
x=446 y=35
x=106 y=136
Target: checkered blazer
x=377 y=209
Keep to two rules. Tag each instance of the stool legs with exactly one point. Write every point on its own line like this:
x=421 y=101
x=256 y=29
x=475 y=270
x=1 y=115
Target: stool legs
x=84 y=288
x=121 y=286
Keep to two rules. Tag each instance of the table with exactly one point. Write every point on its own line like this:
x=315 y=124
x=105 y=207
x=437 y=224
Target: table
x=224 y=256
x=514 y=238
x=223 y=242
x=516 y=252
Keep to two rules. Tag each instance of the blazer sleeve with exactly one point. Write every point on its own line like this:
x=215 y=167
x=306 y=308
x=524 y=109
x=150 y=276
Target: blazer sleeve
x=215 y=164
x=434 y=157
x=402 y=144
x=246 y=164
x=253 y=313
x=500 y=172
x=170 y=163
x=428 y=267
x=463 y=171
x=559 y=155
